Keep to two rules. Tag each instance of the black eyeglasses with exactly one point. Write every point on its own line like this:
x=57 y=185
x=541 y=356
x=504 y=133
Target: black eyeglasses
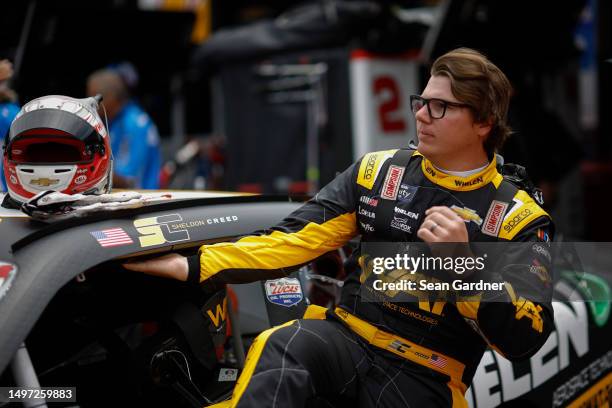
x=435 y=107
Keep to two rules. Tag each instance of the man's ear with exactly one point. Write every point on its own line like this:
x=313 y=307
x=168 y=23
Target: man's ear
x=483 y=129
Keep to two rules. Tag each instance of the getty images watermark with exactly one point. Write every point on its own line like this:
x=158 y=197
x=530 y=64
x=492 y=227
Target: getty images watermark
x=424 y=267
x=405 y=272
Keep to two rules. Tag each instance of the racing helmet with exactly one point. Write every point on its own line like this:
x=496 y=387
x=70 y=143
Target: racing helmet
x=57 y=143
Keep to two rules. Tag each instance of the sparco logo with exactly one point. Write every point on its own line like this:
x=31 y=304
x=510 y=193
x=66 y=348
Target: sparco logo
x=494 y=218
x=392 y=181
x=409 y=214
x=372 y=202
x=473 y=182
x=517 y=219
x=369 y=170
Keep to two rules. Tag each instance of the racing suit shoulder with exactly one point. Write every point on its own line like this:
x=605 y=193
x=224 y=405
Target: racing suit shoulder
x=523 y=212
x=370 y=165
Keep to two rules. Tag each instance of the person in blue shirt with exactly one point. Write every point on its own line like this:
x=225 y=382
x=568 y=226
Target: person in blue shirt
x=134 y=136
x=8 y=107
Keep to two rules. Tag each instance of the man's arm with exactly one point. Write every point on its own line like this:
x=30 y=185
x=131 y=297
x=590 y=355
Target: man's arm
x=517 y=320
x=324 y=223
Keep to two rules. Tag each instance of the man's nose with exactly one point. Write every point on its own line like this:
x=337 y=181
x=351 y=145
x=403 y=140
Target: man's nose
x=422 y=115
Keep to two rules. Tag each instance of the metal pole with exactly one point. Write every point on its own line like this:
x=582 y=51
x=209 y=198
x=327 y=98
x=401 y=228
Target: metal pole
x=25 y=375
x=23 y=38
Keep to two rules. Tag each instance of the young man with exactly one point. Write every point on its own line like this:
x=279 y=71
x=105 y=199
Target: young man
x=383 y=353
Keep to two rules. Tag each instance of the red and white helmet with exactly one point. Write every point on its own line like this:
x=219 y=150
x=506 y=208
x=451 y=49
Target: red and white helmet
x=57 y=143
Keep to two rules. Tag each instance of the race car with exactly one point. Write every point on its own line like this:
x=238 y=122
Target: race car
x=71 y=316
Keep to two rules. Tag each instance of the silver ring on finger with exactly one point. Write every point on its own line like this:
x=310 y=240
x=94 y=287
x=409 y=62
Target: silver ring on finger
x=433 y=227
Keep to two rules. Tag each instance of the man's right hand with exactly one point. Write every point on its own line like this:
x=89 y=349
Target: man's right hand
x=168 y=266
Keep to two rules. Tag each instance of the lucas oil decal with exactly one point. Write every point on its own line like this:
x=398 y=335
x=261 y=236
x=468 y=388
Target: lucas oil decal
x=284 y=292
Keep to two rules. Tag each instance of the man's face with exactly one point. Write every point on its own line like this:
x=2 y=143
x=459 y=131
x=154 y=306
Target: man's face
x=455 y=134
x=110 y=102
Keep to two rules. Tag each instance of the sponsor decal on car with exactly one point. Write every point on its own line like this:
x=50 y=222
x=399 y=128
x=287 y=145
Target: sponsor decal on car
x=228 y=374
x=8 y=271
x=284 y=292
x=80 y=180
x=157 y=231
x=497 y=381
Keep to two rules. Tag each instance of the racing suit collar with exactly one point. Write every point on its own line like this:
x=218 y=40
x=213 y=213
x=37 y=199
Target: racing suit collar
x=487 y=175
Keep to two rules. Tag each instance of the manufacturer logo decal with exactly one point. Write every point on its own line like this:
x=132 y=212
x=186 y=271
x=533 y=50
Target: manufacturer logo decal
x=494 y=218
x=44 y=182
x=392 y=182
x=80 y=180
x=467 y=214
x=284 y=292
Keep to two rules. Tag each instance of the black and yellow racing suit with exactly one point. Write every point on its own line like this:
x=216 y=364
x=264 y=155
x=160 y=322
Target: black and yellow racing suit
x=378 y=353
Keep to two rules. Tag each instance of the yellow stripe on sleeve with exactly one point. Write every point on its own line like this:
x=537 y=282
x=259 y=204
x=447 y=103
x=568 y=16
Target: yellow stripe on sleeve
x=278 y=249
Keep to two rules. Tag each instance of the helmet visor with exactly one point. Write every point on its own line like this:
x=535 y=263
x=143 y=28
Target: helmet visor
x=48 y=146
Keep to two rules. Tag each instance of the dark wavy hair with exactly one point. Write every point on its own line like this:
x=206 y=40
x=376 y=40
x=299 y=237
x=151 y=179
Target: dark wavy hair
x=479 y=83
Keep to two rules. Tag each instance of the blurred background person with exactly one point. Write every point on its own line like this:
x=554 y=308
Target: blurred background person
x=8 y=106
x=134 y=136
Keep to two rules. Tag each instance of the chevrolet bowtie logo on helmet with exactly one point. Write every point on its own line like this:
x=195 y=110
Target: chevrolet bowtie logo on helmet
x=44 y=182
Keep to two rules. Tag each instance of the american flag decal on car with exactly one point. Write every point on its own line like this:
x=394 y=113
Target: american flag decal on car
x=112 y=237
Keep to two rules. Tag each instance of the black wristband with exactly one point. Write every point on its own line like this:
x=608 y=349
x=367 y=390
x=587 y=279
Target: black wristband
x=193 y=263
